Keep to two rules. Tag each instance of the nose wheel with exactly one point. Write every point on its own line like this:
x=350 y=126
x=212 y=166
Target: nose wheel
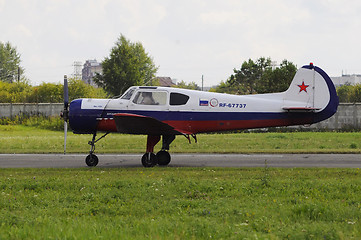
x=91 y=160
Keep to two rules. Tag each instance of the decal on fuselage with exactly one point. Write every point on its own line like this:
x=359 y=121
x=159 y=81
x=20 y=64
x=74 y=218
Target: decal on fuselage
x=203 y=102
x=233 y=105
x=95 y=104
x=213 y=102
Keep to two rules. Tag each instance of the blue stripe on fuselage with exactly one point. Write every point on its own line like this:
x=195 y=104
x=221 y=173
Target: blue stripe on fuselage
x=84 y=120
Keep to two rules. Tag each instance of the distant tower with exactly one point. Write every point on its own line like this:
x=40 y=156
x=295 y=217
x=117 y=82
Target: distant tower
x=77 y=69
x=90 y=68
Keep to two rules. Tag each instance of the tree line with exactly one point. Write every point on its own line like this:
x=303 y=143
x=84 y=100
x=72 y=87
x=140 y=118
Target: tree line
x=128 y=64
x=259 y=76
x=21 y=92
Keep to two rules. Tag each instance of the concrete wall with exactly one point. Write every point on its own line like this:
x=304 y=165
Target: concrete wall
x=47 y=109
x=348 y=115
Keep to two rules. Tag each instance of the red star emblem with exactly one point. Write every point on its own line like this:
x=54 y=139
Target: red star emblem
x=303 y=87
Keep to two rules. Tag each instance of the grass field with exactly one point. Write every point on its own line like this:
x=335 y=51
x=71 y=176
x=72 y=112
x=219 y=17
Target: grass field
x=21 y=139
x=180 y=203
x=185 y=203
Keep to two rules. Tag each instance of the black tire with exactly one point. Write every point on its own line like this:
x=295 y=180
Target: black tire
x=91 y=160
x=149 y=160
x=163 y=158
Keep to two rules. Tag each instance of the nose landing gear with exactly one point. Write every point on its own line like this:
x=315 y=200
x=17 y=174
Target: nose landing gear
x=92 y=160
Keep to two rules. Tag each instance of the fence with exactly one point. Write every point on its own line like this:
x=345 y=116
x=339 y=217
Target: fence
x=11 y=110
x=348 y=115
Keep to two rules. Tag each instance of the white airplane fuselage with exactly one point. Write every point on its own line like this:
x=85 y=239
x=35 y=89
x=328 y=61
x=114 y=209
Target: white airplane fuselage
x=310 y=98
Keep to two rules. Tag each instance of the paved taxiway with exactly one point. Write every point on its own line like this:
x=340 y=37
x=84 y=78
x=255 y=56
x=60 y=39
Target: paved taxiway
x=185 y=160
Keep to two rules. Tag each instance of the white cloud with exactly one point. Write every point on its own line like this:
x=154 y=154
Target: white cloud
x=187 y=38
x=2 y=4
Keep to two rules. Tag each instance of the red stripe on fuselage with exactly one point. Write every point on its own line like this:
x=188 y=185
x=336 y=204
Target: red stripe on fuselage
x=216 y=126
x=108 y=125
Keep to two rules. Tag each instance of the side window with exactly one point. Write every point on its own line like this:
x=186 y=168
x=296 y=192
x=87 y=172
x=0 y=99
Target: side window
x=178 y=99
x=150 y=98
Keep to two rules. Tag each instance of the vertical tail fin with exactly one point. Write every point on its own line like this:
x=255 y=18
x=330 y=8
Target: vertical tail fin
x=312 y=89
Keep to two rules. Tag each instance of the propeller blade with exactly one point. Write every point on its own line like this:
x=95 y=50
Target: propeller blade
x=66 y=95
x=66 y=109
x=65 y=133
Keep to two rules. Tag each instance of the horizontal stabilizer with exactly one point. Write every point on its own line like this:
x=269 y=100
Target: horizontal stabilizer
x=138 y=124
x=300 y=109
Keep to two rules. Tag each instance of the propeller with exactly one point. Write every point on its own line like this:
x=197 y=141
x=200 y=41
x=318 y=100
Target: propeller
x=66 y=109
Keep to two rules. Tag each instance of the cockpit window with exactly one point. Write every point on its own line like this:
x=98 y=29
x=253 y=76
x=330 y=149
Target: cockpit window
x=178 y=99
x=128 y=94
x=150 y=98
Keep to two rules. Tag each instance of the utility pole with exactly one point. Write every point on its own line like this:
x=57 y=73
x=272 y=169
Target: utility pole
x=202 y=82
x=18 y=74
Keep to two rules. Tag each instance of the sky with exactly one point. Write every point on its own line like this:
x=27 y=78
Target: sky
x=186 y=39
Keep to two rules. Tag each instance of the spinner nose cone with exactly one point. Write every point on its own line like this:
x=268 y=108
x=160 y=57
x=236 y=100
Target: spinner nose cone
x=81 y=120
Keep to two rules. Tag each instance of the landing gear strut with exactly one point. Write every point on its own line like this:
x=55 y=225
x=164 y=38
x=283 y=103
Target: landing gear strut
x=92 y=160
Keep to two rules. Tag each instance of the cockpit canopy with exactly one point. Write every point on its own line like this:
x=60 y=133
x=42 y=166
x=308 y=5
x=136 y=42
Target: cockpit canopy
x=154 y=96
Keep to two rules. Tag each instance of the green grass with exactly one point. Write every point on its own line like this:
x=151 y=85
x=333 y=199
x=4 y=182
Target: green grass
x=184 y=203
x=22 y=139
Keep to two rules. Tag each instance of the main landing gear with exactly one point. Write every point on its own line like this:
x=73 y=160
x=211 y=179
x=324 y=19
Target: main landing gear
x=162 y=158
x=149 y=159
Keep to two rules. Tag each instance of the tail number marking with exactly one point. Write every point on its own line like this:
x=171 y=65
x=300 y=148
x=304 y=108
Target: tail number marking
x=233 y=105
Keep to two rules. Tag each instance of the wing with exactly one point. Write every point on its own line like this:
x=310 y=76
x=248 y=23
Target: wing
x=138 y=124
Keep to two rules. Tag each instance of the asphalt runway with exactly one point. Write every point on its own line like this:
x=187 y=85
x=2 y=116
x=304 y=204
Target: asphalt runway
x=184 y=160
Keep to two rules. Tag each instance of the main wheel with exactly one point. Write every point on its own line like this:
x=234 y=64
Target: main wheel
x=149 y=160
x=91 y=160
x=163 y=158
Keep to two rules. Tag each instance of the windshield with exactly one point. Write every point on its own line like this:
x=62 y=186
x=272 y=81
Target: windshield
x=128 y=94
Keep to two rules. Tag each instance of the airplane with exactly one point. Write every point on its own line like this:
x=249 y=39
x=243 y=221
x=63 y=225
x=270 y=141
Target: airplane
x=165 y=112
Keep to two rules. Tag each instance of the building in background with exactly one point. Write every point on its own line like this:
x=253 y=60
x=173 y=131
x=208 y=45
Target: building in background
x=165 y=81
x=348 y=79
x=91 y=67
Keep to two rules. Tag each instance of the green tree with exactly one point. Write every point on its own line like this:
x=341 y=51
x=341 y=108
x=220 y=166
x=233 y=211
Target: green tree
x=9 y=63
x=277 y=79
x=191 y=85
x=355 y=95
x=250 y=74
x=344 y=93
x=47 y=92
x=127 y=65
x=79 y=89
x=259 y=77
